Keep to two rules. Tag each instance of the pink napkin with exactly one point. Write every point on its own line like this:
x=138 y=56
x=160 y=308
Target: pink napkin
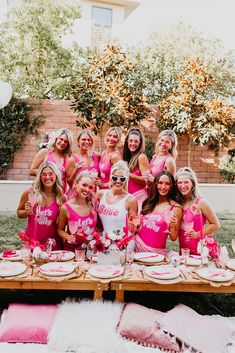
x=9 y=253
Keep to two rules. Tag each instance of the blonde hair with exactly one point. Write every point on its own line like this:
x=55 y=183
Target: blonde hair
x=68 y=150
x=191 y=175
x=173 y=137
x=85 y=132
x=121 y=165
x=116 y=129
x=90 y=201
x=57 y=187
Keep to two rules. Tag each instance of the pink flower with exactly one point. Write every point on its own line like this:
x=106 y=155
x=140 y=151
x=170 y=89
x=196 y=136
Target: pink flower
x=99 y=246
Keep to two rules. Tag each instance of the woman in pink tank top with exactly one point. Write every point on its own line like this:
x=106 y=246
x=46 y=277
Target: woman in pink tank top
x=109 y=156
x=161 y=215
x=164 y=157
x=41 y=204
x=78 y=214
x=133 y=154
x=84 y=159
x=199 y=219
x=58 y=150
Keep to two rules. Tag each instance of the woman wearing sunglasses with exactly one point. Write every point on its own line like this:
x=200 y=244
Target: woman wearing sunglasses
x=133 y=154
x=78 y=214
x=116 y=205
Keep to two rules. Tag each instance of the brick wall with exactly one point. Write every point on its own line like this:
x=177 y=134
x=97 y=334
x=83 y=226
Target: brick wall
x=58 y=114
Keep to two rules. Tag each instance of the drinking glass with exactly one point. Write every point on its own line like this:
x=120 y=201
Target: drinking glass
x=185 y=254
x=129 y=259
x=73 y=226
x=188 y=226
x=25 y=253
x=80 y=255
x=233 y=245
x=167 y=216
x=32 y=198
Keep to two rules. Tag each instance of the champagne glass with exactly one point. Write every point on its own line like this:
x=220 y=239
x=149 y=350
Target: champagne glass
x=233 y=244
x=73 y=226
x=129 y=259
x=167 y=217
x=188 y=226
x=32 y=198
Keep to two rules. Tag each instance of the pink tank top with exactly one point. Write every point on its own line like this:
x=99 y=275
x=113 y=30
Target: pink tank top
x=132 y=185
x=83 y=222
x=154 y=229
x=42 y=224
x=193 y=221
x=51 y=158
x=105 y=168
x=94 y=169
x=158 y=167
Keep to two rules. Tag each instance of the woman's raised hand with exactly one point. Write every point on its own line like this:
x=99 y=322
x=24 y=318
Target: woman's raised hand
x=28 y=208
x=148 y=177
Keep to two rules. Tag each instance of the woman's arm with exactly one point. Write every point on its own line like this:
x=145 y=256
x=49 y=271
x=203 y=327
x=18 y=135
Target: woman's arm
x=144 y=168
x=62 y=222
x=208 y=212
x=38 y=159
x=175 y=222
x=116 y=156
x=131 y=206
x=25 y=208
x=170 y=165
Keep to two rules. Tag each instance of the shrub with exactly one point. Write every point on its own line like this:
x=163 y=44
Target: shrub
x=227 y=166
x=15 y=124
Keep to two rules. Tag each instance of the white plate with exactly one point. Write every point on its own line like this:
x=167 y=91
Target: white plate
x=162 y=272
x=231 y=264
x=61 y=255
x=8 y=269
x=105 y=271
x=11 y=255
x=57 y=268
x=148 y=257
x=215 y=274
x=194 y=261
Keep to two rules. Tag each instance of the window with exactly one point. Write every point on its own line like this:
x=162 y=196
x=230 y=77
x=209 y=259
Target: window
x=101 y=16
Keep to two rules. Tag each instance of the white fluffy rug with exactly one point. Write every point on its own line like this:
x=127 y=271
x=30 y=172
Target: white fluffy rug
x=88 y=327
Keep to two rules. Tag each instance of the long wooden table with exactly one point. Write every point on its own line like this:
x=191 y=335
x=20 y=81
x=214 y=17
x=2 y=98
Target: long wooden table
x=36 y=283
x=132 y=283
x=135 y=283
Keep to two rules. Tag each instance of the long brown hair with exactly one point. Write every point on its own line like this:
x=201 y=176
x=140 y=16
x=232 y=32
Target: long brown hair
x=153 y=199
x=132 y=159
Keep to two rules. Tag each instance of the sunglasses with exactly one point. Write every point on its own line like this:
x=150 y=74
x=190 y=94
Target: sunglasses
x=115 y=178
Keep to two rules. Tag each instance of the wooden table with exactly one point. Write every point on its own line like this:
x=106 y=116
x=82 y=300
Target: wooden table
x=135 y=283
x=36 y=283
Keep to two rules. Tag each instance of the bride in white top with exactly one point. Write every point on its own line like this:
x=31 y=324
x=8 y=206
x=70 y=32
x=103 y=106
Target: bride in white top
x=116 y=205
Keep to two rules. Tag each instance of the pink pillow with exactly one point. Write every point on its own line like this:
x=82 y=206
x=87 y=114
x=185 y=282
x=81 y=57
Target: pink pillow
x=27 y=323
x=207 y=335
x=140 y=324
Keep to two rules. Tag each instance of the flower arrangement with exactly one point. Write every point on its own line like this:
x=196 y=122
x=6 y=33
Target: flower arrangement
x=209 y=243
x=30 y=241
x=46 y=139
x=104 y=242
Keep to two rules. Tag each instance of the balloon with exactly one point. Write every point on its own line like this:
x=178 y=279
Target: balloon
x=5 y=94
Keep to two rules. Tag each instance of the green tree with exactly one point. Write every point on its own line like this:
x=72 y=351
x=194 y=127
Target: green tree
x=32 y=57
x=107 y=92
x=162 y=59
x=193 y=109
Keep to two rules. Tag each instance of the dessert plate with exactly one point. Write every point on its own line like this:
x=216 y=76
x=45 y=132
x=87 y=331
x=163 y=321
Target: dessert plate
x=8 y=269
x=105 y=271
x=11 y=255
x=231 y=264
x=215 y=274
x=148 y=257
x=162 y=272
x=56 y=268
x=61 y=255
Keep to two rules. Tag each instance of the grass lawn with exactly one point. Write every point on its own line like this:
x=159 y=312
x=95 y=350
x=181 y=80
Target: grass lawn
x=204 y=303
